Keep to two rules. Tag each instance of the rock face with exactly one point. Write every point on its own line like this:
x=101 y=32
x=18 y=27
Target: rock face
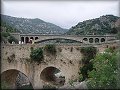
x=117 y=24
x=76 y=85
x=102 y=25
x=81 y=85
x=22 y=80
x=66 y=87
x=25 y=25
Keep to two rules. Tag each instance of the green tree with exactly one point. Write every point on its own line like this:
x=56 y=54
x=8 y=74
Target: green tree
x=104 y=76
x=88 y=54
x=50 y=48
x=12 y=39
x=118 y=66
x=9 y=28
x=37 y=55
x=5 y=34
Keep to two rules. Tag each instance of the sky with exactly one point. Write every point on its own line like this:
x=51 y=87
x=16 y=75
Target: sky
x=62 y=13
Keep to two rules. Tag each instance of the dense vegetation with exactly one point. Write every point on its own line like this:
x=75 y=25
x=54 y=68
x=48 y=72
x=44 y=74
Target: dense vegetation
x=103 y=25
x=4 y=85
x=5 y=33
x=106 y=74
x=50 y=48
x=37 y=55
x=25 y=25
x=7 y=28
x=46 y=87
x=88 y=54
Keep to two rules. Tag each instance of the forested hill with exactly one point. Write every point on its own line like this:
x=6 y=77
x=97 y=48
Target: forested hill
x=24 y=25
x=106 y=24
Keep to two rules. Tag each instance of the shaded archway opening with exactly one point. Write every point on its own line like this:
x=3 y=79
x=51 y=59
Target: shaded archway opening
x=96 y=40
x=59 y=40
x=91 y=40
x=53 y=76
x=31 y=38
x=22 y=39
x=36 y=38
x=85 y=39
x=26 y=39
x=102 y=39
x=14 y=79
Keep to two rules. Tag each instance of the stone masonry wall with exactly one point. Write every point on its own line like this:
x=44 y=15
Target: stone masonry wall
x=67 y=60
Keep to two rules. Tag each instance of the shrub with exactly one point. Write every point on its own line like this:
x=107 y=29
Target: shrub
x=11 y=58
x=8 y=37
x=48 y=86
x=5 y=34
x=88 y=54
x=111 y=49
x=105 y=74
x=51 y=49
x=37 y=55
x=12 y=39
x=4 y=85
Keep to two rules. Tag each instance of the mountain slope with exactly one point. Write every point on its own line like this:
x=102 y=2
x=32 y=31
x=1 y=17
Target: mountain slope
x=102 y=25
x=5 y=33
x=25 y=25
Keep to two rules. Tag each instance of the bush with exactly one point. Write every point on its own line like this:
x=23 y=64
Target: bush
x=12 y=39
x=5 y=34
x=105 y=74
x=111 y=49
x=51 y=49
x=88 y=54
x=4 y=85
x=45 y=87
x=37 y=55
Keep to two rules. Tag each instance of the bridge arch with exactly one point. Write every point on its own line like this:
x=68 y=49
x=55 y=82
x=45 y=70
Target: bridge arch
x=32 y=38
x=22 y=39
x=43 y=40
x=53 y=76
x=102 y=40
x=36 y=38
x=96 y=40
x=15 y=79
x=85 y=39
x=26 y=39
x=91 y=40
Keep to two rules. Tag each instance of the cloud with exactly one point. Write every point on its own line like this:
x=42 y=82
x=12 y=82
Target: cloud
x=62 y=13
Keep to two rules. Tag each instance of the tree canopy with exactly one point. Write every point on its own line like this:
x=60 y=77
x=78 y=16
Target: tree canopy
x=105 y=74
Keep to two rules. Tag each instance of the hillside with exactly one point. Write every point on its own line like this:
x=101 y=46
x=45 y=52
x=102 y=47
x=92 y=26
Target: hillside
x=24 y=25
x=5 y=33
x=102 y=25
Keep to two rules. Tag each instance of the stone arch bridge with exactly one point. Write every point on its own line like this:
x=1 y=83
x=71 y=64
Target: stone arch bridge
x=16 y=57
x=88 y=39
